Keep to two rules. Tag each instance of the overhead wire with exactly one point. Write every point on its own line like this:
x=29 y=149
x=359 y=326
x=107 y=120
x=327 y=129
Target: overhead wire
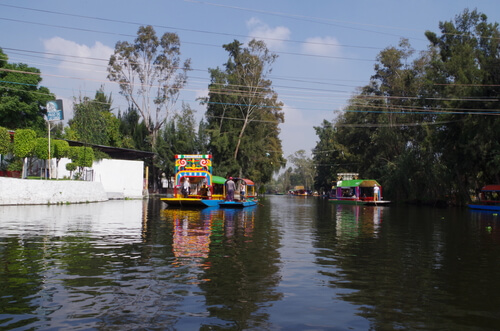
x=119 y=21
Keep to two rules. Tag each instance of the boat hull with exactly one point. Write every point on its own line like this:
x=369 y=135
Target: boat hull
x=237 y=204
x=359 y=202
x=190 y=202
x=485 y=207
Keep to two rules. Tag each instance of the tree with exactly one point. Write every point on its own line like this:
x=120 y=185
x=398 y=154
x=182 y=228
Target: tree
x=93 y=121
x=134 y=133
x=22 y=99
x=178 y=137
x=329 y=157
x=243 y=113
x=24 y=142
x=5 y=143
x=469 y=67
x=149 y=77
x=303 y=169
x=41 y=150
x=81 y=157
x=61 y=149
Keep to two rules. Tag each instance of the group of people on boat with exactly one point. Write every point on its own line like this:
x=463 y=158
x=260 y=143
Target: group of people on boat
x=204 y=192
x=231 y=188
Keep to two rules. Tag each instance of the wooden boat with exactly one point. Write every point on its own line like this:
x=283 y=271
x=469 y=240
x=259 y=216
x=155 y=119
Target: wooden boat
x=240 y=201
x=489 y=199
x=205 y=190
x=354 y=191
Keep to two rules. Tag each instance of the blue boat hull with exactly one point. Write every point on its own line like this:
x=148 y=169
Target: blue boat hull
x=237 y=204
x=190 y=202
x=485 y=207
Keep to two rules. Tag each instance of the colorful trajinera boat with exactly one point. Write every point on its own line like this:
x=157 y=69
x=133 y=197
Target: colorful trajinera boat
x=194 y=172
x=354 y=191
x=242 y=200
x=489 y=199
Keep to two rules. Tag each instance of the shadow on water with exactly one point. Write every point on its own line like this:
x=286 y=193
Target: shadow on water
x=290 y=263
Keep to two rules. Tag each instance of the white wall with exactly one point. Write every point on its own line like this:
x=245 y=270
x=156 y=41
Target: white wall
x=16 y=191
x=120 y=178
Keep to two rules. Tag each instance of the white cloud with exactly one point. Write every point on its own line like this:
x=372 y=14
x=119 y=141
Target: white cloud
x=87 y=62
x=324 y=46
x=273 y=37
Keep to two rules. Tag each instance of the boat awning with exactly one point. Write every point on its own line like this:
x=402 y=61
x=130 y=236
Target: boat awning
x=358 y=182
x=491 y=188
x=247 y=181
x=218 y=180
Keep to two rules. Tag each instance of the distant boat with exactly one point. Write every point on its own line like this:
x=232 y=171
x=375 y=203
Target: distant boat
x=356 y=191
x=242 y=201
x=489 y=199
x=205 y=190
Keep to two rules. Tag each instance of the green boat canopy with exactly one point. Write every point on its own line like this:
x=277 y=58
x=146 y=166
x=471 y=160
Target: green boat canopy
x=218 y=180
x=358 y=182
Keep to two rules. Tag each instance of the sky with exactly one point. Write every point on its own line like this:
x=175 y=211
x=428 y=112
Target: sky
x=326 y=48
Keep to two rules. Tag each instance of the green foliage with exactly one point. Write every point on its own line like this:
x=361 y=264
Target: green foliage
x=24 y=142
x=134 y=133
x=71 y=166
x=41 y=148
x=15 y=165
x=61 y=149
x=22 y=99
x=243 y=114
x=426 y=126
x=81 y=156
x=93 y=122
x=85 y=157
x=5 y=143
x=178 y=137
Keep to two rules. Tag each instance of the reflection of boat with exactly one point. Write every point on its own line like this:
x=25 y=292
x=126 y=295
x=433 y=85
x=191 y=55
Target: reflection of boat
x=248 y=200
x=204 y=189
x=191 y=231
x=354 y=191
x=489 y=198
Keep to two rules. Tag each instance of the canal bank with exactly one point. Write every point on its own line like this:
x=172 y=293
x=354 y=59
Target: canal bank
x=15 y=191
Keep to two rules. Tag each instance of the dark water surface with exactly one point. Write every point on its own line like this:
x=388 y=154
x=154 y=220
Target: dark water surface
x=290 y=263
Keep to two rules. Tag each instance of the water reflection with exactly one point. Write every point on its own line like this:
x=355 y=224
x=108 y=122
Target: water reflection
x=287 y=264
x=354 y=221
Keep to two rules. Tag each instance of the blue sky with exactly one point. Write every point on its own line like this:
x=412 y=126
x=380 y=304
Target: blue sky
x=326 y=48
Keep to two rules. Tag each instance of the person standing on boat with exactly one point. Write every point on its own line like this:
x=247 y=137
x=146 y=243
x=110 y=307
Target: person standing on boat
x=164 y=183
x=185 y=187
x=242 y=190
x=230 y=188
x=376 y=191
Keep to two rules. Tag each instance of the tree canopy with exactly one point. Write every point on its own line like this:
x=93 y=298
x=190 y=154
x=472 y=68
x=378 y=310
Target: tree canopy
x=427 y=125
x=243 y=114
x=22 y=100
x=151 y=74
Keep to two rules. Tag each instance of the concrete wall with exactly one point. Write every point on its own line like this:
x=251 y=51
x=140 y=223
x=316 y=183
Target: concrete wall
x=120 y=178
x=15 y=191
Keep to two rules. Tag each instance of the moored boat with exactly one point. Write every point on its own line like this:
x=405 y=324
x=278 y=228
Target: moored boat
x=354 y=191
x=194 y=184
x=242 y=198
x=489 y=199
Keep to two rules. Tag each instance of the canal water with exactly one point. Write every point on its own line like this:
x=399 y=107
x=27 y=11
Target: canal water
x=290 y=263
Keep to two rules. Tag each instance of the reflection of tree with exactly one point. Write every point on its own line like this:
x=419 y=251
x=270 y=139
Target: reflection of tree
x=20 y=280
x=244 y=270
x=416 y=272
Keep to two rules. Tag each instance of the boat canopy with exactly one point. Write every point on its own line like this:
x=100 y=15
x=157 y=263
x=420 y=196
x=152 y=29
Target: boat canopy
x=358 y=183
x=491 y=188
x=218 y=180
x=247 y=181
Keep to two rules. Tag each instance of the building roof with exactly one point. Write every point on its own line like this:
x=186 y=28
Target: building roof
x=116 y=152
